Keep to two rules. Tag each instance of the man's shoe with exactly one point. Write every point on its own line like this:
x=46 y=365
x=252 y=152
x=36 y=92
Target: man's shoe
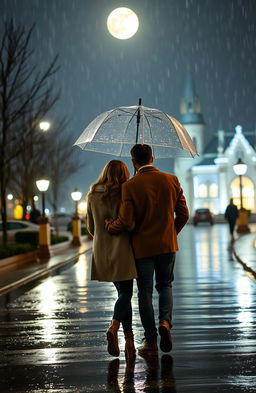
x=165 y=336
x=148 y=349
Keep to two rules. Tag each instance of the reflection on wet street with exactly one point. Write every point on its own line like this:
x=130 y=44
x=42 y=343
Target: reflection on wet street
x=53 y=335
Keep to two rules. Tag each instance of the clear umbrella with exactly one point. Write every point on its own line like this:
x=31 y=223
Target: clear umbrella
x=116 y=131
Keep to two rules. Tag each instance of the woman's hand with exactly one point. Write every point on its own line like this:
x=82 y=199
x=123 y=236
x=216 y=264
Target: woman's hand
x=108 y=221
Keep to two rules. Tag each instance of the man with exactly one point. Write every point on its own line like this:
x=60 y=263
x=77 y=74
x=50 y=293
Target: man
x=151 y=199
x=34 y=214
x=231 y=215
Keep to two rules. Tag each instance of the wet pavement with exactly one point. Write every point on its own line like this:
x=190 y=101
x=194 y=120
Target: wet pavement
x=53 y=334
x=245 y=251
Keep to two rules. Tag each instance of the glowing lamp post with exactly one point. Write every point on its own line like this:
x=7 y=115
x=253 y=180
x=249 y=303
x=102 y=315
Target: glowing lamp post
x=76 y=195
x=240 y=169
x=44 y=231
x=44 y=125
x=42 y=186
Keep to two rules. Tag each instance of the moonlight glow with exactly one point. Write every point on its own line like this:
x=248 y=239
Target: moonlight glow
x=122 y=23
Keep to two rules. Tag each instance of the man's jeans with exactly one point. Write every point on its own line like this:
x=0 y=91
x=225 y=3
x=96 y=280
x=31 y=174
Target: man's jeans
x=163 y=266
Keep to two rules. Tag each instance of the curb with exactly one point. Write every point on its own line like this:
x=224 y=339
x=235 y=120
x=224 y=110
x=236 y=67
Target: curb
x=245 y=266
x=40 y=273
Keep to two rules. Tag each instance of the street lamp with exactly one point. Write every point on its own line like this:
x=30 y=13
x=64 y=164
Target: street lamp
x=42 y=186
x=76 y=195
x=10 y=206
x=44 y=231
x=240 y=169
x=44 y=125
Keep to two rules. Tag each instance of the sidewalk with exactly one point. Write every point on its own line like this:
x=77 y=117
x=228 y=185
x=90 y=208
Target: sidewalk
x=16 y=276
x=52 y=336
x=244 y=250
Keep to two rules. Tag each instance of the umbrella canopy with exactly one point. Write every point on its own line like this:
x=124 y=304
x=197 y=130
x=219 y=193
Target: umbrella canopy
x=116 y=131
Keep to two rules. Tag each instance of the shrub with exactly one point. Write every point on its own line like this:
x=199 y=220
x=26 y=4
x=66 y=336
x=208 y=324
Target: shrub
x=15 y=249
x=84 y=231
x=58 y=239
x=31 y=237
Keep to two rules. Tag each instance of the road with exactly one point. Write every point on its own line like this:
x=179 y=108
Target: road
x=53 y=335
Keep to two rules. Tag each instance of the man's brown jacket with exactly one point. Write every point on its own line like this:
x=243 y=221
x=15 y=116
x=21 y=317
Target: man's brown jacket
x=154 y=202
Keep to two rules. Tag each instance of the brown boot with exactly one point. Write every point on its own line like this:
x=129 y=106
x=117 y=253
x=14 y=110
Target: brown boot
x=113 y=348
x=165 y=336
x=130 y=350
x=148 y=349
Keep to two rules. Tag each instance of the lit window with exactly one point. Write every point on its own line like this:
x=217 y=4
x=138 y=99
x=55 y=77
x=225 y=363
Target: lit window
x=247 y=192
x=202 y=191
x=213 y=190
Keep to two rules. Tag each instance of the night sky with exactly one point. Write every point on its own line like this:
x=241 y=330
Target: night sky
x=216 y=38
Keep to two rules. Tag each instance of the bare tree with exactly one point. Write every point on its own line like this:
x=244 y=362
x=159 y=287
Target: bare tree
x=30 y=163
x=23 y=88
x=62 y=162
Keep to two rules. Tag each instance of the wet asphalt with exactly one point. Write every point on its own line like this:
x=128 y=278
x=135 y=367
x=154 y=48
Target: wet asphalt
x=52 y=333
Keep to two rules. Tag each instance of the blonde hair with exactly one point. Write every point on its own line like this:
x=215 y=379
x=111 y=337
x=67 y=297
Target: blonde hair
x=113 y=175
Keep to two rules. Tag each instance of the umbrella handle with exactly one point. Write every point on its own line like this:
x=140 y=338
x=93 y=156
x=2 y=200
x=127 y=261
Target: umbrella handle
x=138 y=121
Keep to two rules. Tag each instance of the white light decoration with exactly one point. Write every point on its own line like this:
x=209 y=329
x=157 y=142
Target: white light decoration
x=10 y=197
x=240 y=168
x=44 y=125
x=35 y=198
x=76 y=195
x=122 y=23
x=42 y=185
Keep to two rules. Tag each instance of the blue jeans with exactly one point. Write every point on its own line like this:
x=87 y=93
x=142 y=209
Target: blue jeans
x=123 y=307
x=163 y=266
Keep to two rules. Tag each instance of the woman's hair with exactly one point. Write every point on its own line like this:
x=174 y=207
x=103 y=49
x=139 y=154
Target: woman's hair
x=113 y=175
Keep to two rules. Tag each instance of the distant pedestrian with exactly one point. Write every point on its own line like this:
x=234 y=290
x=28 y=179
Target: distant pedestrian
x=112 y=256
x=231 y=215
x=34 y=215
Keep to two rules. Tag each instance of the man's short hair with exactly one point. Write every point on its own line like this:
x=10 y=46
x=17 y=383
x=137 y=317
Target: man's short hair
x=142 y=154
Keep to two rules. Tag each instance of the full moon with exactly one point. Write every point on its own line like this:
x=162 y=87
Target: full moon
x=122 y=23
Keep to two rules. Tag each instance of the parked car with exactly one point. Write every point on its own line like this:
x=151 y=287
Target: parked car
x=14 y=226
x=203 y=215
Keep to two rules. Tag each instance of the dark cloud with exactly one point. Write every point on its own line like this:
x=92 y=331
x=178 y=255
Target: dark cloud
x=215 y=37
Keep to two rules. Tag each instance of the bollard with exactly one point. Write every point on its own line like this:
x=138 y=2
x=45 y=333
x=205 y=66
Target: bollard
x=44 y=238
x=76 y=231
x=242 y=222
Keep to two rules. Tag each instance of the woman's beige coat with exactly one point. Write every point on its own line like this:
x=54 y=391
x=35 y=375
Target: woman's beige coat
x=112 y=256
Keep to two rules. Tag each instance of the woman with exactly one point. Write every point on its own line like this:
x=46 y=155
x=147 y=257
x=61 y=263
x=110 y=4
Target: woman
x=112 y=256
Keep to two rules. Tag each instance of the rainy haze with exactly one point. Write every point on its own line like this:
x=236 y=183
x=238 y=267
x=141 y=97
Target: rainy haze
x=215 y=38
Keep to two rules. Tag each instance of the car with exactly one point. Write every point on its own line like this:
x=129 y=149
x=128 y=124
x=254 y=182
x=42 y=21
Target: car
x=203 y=215
x=14 y=226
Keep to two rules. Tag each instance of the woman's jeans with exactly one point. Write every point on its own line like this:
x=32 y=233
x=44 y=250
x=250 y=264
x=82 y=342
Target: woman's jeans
x=163 y=266
x=123 y=307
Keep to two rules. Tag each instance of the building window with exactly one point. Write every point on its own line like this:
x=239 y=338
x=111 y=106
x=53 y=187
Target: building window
x=248 y=192
x=213 y=190
x=190 y=106
x=202 y=191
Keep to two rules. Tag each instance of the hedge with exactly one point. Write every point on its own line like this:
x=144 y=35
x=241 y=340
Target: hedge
x=15 y=249
x=32 y=237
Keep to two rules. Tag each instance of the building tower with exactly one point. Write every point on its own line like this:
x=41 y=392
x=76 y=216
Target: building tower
x=192 y=119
